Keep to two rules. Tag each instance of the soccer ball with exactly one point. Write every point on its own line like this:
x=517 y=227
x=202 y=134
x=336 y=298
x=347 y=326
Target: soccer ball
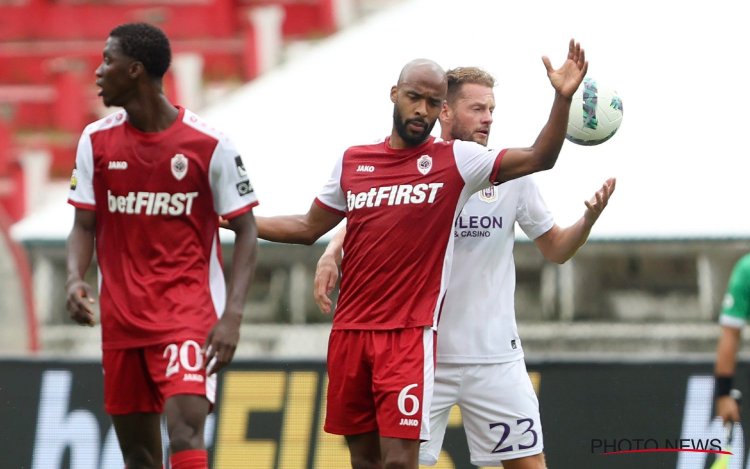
x=595 y=114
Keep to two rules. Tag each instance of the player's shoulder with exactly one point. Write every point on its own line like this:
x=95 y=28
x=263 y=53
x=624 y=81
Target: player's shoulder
x=376 y=148
x=377 y=145
x=463 y=146
x=744 y=263
x=202 y=126
x=110 y=121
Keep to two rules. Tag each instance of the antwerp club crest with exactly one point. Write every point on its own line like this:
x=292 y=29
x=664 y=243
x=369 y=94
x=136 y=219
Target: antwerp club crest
x=424 y=164
x=179 y=166
x=488 y=195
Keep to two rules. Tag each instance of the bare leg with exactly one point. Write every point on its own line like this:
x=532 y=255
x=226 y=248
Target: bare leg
x=399 y=453
x=186 y=419
x=528 y=462
x=139 y=435
x=364 y=450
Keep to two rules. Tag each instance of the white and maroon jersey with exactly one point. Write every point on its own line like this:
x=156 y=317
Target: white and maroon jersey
x=157 y=198
x=400 y=207
x=478 y=322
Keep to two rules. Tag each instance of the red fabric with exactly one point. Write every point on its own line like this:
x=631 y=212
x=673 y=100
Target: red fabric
x=371 y=373
x=189 y=459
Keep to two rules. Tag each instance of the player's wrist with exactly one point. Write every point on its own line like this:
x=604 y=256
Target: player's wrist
x=722 y=386
x=73 y=281
x=233 y=314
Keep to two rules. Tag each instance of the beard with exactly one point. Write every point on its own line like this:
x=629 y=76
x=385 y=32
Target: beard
x=467 y=134
x=409 y=138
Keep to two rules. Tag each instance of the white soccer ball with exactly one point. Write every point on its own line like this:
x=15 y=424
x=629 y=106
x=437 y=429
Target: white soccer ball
x=595 y=114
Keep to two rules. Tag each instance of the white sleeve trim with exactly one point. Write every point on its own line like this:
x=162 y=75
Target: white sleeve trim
x=731 y=321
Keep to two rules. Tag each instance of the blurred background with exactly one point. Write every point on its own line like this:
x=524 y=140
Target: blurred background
x=294 y=83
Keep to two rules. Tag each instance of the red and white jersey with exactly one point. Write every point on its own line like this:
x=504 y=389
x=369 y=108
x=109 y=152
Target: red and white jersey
x=157 y=198
x=400 y=207
x=478 y=323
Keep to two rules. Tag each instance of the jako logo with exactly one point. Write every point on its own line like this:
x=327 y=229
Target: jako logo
x=365 y=169
x=152 y=203
x=118 y=165
x=394 y=195
x=409 y=422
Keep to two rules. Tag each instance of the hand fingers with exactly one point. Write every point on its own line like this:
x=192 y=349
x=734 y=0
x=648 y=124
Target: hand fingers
x=218 y=357
x=211 y=366
x=581 y=57
x=547 y=64
x=320 y=294
x=85 y=319
x=611 y=183
x=324 y=304
x=79 y=310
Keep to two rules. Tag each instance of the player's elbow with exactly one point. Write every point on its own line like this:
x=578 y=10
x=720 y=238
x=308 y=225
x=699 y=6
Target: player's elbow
x=559 y=260
x=309 y=235
x=546 y=161
x=544 y=158
x=308 y=240
x=557 y=256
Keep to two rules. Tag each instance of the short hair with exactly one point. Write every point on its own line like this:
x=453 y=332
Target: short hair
x=147 y=44
x=459 y=76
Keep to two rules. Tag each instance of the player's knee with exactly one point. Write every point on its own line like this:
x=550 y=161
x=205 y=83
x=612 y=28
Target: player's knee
x=363 y=462
x=398 y=461
x=184 y=437
x=528 y=462
x=141 y=459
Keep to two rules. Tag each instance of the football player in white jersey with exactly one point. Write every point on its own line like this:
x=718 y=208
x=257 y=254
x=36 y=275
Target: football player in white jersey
x=479 y=354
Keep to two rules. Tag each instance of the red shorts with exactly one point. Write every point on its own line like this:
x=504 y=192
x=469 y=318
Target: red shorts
x=141 y=379
x=381 y=381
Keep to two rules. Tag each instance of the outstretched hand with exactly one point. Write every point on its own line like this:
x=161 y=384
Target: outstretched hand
x=598 y=202
x=569 y=76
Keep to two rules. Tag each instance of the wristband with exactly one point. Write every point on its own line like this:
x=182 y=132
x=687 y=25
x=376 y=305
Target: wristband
x=722 y=385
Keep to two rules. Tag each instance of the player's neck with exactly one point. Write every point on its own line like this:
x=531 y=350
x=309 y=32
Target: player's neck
x=395 y=142
x=151 y=113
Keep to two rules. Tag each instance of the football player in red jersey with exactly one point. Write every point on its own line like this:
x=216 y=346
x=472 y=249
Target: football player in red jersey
x=401 y=198
x=149 y=186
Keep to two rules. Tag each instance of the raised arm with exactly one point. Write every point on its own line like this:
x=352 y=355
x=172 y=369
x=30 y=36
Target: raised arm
x=298 y=229
x=542 y=155
x=560 y=244
x=327 y=271
x=80 y=251
x=222 y=341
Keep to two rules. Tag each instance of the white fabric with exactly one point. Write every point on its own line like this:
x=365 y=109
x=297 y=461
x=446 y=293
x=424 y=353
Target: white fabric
x=478 y=320
x=496 y=401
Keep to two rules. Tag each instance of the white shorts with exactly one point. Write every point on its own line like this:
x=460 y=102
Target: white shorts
x=499 y=409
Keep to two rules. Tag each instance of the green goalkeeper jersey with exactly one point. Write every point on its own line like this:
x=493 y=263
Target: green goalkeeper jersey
x=735 y=309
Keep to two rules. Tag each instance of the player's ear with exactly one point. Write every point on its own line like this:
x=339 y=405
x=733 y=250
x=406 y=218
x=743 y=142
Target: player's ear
x=445 y=112
x=135 y=69
x=394 y=93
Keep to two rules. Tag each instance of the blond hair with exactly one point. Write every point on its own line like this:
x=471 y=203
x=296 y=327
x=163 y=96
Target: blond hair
x=459 y=76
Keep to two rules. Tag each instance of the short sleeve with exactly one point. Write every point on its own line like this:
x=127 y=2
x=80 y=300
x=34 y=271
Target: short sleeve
x=232 y=191
x=81 y=194
x=332 y=197
x=532 y=213
x=477 y=164
x=735 y=308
